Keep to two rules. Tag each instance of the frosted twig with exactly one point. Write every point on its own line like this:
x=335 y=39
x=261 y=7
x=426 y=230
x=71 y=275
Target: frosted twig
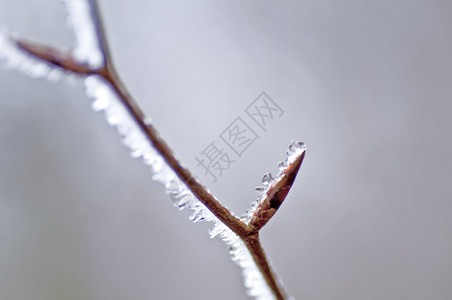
x=91 y=58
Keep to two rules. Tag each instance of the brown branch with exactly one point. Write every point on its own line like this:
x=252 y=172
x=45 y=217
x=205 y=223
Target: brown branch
x=266 y=209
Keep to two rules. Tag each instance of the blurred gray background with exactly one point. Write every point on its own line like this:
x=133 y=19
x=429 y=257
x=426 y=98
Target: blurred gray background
x=366 y=84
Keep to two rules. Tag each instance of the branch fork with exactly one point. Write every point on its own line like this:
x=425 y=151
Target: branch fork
x=271 y=197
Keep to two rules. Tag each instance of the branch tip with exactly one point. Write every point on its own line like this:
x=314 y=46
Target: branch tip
x=278 y=188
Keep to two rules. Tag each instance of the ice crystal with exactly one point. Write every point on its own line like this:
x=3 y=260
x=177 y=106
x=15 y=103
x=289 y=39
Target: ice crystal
x=267 y=179
x=79 y=19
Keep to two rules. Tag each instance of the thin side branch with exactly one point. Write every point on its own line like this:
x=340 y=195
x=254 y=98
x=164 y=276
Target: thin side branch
x=54 y=56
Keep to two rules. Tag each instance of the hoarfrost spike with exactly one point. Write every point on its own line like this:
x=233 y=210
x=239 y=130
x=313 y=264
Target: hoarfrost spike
x=267 y=179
